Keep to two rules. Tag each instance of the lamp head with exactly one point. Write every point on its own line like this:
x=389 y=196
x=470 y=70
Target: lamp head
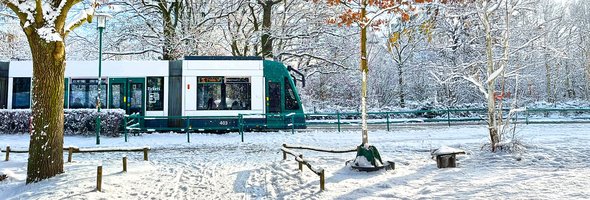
x=101 y=19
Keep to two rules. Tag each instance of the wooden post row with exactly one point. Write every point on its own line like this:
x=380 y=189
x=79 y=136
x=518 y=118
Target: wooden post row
x=300 y=164
x=70 y=151
x=7 y=153
x=145 y=154
x=124 y=163
x=322 y=180
x=284 y=153
x=99 y=178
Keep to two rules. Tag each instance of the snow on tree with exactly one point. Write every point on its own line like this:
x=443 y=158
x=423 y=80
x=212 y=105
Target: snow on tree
x=44 y=24
x=368 y=14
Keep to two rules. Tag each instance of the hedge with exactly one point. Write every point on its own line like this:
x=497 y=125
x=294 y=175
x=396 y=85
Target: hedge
x=76 y=121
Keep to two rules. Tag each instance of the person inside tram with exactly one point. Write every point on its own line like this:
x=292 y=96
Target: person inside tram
x=77 y=103
x=210 y=104
x=236 y=105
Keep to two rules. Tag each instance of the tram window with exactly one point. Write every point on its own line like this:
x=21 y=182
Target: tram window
x=155 y=90
x=209 y=92
x=3 y=92
x=83 y=93
x=238 y=93
x=223 y=93
x=290 y=99
x=21 y=93
x=274 y=97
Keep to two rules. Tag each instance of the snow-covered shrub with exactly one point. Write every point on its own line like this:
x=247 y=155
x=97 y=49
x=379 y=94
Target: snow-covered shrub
x=15 y=121
x=83 y=121
x=76 y=121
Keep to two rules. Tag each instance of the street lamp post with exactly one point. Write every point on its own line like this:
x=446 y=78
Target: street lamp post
x=101 y=20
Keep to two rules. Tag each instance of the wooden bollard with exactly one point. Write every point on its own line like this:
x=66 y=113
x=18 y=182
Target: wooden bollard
x=70 y=151
x=99 y=178
x=125 y=163
x=145 y=154
x=284 y=153
x=300 y=163
x=7 y=153
x=322 y=180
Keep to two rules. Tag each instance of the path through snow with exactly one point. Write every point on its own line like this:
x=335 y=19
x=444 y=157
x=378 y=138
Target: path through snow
x=556 y=164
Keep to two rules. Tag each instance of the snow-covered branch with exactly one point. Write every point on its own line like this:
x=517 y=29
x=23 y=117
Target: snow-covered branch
x=83 y=16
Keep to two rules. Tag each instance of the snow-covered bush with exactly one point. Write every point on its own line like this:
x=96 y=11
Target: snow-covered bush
x=14 y=121
x=76 y=121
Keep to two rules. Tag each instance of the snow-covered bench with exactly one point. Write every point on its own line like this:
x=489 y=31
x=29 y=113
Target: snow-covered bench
x=445 y=156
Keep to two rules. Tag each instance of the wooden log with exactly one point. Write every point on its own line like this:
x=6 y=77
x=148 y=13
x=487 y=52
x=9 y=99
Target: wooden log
x=145 y=154
x=322 y=180
x=319 y=149
x=7 y=153
x=70 y=152
x=99 y=178
x=89 y=150
x=124 y=163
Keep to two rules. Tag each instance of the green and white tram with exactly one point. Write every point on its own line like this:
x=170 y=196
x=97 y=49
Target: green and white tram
x=212 y=91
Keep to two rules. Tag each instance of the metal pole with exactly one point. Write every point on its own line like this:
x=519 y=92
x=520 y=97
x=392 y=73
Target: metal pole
x=527 y=116
x=241 y=126
x=338 y=114
x=188 y=127
x=99 y=83
x=387 y=122
x=125 y=127
x=293 y=124
x=449 y=116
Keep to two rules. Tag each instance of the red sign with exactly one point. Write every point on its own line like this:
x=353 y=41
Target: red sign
x=210 y=79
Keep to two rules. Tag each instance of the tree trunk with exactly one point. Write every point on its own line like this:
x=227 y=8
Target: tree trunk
x=46 y=144
x=266 y=40
x=550 y=98
x=492 y=123
x=588 y=77
x=402 y=101
x=169 y=35
x=169 y=29
x=365 y=74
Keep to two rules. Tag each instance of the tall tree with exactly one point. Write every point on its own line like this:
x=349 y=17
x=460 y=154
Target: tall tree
x=266 y=38
x=365 y=14
x=402 y=43
x=44 y=24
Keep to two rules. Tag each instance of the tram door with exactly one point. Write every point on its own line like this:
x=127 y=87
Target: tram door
x=274 y=105
x=127 y=94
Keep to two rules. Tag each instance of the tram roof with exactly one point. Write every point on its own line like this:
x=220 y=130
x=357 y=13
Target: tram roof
x=222 y=58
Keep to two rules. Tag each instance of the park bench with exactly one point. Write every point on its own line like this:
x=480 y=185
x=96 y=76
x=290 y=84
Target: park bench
x=446 y=156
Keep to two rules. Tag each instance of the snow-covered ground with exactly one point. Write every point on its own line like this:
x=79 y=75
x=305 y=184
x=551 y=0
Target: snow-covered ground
x=555 y=165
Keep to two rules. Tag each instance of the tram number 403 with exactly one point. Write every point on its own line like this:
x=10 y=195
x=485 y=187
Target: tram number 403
x=223 y=123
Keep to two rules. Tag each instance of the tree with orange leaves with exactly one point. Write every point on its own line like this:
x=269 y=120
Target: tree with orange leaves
x=368 y=14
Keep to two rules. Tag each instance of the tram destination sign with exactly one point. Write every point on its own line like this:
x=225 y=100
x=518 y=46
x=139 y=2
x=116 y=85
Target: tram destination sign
x=237 y=80
x=210 y=79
